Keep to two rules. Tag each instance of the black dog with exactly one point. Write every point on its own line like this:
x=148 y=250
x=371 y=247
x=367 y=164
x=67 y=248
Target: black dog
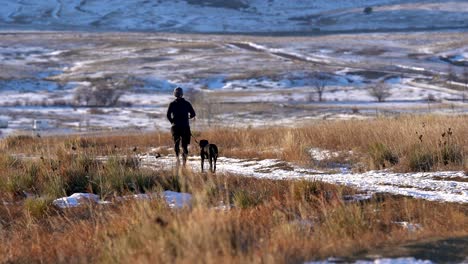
x=208 y=151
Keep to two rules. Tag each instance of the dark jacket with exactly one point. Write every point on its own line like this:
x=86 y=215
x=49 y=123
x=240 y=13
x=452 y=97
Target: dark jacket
x=178 y=112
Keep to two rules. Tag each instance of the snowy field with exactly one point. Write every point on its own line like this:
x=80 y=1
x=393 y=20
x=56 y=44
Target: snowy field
x=231 y=80
x=234 y=16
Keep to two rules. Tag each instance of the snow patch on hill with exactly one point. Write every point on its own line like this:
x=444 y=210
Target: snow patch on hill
x=232 y=16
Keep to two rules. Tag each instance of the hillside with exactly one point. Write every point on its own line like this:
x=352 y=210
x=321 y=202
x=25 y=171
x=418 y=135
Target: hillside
x=235 y=16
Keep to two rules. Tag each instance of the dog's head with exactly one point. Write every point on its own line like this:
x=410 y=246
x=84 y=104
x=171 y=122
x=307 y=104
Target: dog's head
x=203 y=143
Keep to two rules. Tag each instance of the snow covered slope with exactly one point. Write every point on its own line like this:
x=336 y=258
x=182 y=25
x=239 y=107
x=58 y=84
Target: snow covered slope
x=242 y=16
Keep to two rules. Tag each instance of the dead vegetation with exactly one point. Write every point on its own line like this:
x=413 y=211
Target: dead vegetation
x=231 y=219
x=258 y=221
x=406 y=143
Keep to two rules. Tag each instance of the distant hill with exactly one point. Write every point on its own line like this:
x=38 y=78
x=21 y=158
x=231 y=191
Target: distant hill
x=233 y=16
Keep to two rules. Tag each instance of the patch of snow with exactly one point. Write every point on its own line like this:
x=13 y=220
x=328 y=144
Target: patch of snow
x=417 y=185
x=283 y=52
x=322 y=154
x=216 y=82
x=76 y=199
x=154 y=83
x=27 y=85
x=408 y=260
x=409 y=226
x=410 y=68
x=3 y=122
x=395 y=261
x=173 y=199
x=357 y=197
x=177 y=200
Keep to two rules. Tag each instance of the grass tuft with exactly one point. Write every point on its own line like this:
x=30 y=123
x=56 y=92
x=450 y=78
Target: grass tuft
x=246 y=199
x=381 y=156
x=38 y=207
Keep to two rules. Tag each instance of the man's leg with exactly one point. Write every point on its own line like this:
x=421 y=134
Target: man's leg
x=176 y=137
x=185 y=142
x=184 y=151
x=176 y=147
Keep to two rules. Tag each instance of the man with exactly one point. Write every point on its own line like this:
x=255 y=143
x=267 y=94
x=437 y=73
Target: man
x=178 y=113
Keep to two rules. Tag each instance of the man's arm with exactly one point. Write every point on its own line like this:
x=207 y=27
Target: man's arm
x=169 y=114
x=191 y=111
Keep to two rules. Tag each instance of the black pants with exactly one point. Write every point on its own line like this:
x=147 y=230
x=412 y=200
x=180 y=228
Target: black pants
x=181 y=134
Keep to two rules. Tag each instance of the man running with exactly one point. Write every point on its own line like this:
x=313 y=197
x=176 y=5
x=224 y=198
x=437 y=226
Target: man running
x=178 y=113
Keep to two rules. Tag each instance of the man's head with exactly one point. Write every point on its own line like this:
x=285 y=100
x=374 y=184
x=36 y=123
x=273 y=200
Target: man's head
x=178 y=92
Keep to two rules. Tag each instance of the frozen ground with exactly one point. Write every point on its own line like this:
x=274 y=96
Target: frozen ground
x=377 y=261
x=234 y=16
x=231 y=80
x=173 y=199
x=448 y=186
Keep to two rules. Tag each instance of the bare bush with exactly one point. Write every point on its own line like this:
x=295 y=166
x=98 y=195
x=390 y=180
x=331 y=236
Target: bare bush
x=380 y=91
x=320 y=87
x=104 y=91
x=204 y=106
x=368 y=10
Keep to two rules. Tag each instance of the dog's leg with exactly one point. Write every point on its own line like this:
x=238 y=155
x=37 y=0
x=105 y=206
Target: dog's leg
x=211 y=163
x=215 y=159
x=202 y=159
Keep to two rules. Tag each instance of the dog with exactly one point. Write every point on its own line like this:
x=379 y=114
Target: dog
x=210 y=152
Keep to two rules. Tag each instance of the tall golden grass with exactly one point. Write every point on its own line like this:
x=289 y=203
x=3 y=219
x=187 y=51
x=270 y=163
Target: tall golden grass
x=268 y=221
x=289 y=222
x=410 y=140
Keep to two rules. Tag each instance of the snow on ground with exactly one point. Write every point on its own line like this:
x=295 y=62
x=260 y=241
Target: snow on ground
x=173 y=199
x=76 y=200
x=232 y=16
x=377 y=261
x=433 y=186
x=322 y=154
x=245 y=80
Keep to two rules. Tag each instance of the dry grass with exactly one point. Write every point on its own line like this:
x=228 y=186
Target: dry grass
x=270 y=221
x=288 y=222
x=409 y=143
x=291 y=222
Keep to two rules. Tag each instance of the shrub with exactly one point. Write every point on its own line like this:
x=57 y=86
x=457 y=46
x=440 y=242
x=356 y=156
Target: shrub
x=382 y=156
x=79 y=142
x=244 y=199
x=380 y=91
x=420 y=159
x=104 y=91
x=17 y=176
x=451 y=154
x=37 y=207
x=18 y=182
x=368 y=10
x=78 y=173
x=122 y=175
x=53 y=186
x=173 y=183
x=7 y=161
x=449 y=151
x=17 y=141
x=307 y=191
